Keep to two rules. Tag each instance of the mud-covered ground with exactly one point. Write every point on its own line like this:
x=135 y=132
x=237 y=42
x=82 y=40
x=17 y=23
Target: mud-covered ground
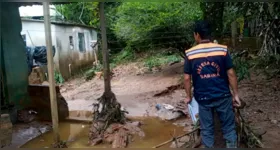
x=135 y=91
x=263 y=106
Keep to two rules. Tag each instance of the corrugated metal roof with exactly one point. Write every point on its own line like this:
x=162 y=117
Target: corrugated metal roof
x=61 y=23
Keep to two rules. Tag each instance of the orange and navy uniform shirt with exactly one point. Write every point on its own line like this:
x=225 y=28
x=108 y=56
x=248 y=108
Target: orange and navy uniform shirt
x=208 y=63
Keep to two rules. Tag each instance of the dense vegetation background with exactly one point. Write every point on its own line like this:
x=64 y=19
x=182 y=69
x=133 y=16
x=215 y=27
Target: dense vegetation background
x=165 y=29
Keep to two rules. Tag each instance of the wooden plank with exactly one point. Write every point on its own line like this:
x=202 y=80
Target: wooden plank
x=51 y=71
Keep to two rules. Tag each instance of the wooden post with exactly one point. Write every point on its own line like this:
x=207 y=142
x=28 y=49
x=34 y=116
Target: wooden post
x=105 y=53
x=1 y=68
x=51 y=71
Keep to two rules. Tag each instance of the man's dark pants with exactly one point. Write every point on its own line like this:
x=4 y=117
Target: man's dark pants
x=224 y=109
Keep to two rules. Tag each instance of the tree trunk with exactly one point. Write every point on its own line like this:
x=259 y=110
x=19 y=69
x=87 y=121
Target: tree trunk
x=233 y=32
x=105 y=53
x=213 y=13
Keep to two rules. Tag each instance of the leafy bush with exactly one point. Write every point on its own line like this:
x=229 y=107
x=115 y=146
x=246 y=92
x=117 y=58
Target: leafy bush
x=125 y=55
x=152 y=24
x=269 y=64
x=271 y=61
x=89 y=74
x=159 y=60
x=58 y=77
x=241 y=67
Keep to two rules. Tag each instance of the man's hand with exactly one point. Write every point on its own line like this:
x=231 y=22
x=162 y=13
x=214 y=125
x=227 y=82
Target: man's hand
x=233 y=83
x=236 y=101
x=188 y=100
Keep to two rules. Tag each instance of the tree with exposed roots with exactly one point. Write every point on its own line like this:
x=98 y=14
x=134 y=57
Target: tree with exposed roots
x=107 y=111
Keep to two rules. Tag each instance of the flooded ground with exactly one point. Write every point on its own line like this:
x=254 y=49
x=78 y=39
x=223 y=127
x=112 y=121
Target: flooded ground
x=77 y=135
x=135 y=93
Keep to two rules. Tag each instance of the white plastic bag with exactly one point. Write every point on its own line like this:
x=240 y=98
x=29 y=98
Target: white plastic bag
x=193 y=110
x=168 y=107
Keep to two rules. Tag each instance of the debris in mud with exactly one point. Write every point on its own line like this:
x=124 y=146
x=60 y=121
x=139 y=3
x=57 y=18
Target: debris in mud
x=169 y=112
x=26 y=115
x=169 y=90
x=191 y=135
x=246 y=135
x=60 y=144
x=37 y=76
x=183 y=122
x=180 y=142
x=119 y=135
x=181 y=106
x=110 y=124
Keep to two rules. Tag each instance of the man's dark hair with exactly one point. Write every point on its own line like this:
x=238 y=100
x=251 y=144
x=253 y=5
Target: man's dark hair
x=203 y=28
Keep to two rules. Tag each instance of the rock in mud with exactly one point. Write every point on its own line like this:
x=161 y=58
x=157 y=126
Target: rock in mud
x=274 y=121
x=165 y=114
x=136 y=123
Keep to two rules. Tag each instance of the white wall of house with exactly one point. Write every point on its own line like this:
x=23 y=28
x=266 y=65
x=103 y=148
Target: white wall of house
x=35 y=36
x=72 y=54
x=68 y=53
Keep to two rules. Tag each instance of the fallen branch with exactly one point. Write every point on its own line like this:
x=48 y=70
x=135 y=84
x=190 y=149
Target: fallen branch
x=245 y=129
x=178 y=137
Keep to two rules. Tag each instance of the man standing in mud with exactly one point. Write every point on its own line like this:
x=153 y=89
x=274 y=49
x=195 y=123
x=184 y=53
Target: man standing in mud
x=211 y=69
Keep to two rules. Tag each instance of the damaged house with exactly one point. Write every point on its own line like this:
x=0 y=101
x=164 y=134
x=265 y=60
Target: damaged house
x=74 y=44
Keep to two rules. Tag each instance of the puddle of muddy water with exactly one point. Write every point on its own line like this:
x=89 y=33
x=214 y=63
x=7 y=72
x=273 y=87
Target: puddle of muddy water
x=156 y=132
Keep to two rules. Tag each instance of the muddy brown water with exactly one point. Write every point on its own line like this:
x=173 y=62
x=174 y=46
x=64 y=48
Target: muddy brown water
x=156 y=132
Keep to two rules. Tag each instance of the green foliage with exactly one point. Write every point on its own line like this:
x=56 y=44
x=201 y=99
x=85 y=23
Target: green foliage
x=89 y=74
x=127 y=54
x=114 y=43
x=152 y=24
x=112 y=66
x=58 y=77
x=242 y=64
x=269 y=65
x=213 y=13
x=241 y=67
x=80 y=12
x=271 y=61
x=266 y=14
x=230 y=15
x=158 y=60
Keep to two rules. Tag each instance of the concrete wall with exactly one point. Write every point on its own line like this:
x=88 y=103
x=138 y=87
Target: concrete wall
x=71 y=55
x=65 y=54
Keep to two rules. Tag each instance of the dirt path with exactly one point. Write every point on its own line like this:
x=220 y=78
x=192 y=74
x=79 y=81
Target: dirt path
x=135 y=93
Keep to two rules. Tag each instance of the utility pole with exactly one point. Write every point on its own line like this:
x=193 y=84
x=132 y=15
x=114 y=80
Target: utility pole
x=51 y=71
x=105 y=53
